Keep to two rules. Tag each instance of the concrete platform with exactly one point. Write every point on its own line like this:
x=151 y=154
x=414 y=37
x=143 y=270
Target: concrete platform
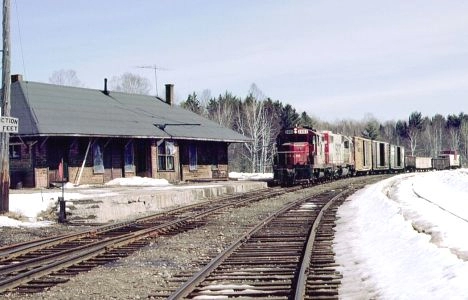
x=108 y=204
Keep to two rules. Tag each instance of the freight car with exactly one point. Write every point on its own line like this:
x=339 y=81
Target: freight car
x=397 y=158
x=451 y=160
x=362 y=155
x=380 y=157
x=417 y=163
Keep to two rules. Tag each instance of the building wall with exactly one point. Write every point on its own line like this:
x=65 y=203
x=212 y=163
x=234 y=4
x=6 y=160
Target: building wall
x=211 y=162
x=44 y=161
x=172 y=176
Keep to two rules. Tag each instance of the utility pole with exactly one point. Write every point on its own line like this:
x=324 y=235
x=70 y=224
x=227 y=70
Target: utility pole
x=155 y=68
x=5 y=136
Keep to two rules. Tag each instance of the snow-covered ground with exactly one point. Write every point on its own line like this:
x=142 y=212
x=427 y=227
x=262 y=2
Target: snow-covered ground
x=30 y=205
x=406 y=238
x=402 y=238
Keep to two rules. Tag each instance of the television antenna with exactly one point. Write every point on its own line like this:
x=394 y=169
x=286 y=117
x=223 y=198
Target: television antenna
x=155 y=68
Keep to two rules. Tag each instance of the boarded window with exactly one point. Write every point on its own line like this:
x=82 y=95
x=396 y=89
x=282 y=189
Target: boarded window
x=193 y=158
x=166 y=151
x=129 y=156
x=98 y=161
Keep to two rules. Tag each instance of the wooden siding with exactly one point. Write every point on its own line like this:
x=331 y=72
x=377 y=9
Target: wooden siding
x=41 y=160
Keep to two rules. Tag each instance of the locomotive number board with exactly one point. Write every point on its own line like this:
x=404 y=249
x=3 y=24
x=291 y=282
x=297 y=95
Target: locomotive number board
x=296 y=131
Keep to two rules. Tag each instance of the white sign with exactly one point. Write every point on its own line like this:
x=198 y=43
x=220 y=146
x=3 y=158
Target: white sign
x=8 y=124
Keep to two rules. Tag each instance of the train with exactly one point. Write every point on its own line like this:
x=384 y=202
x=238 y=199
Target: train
x=305 y=155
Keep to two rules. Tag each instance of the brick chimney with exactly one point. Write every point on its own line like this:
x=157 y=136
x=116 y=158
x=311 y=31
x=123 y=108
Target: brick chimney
x=16 y=77
x=170 y=94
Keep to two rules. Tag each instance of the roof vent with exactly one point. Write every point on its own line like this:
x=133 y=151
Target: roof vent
x=106 y=91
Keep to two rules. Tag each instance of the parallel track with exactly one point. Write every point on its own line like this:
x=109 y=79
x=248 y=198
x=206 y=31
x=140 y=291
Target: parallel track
x=35 y=266
x=287 y=256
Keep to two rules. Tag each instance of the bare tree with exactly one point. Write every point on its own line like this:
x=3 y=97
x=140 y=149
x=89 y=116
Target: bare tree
x=204 y=99
x=433 y=134
x=65 y=77
x=253 y=121
x=223 y=109
x=464 y=135
x=131 y=83
x=388 y=132
x=453 y=127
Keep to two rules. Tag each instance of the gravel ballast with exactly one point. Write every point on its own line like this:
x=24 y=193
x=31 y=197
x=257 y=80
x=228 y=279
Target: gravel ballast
x=151 y=269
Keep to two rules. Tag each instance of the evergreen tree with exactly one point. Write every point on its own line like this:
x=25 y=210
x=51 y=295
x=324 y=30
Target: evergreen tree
x=306 y=121
x=289 y=117
x=371 y=131
x=192 y=104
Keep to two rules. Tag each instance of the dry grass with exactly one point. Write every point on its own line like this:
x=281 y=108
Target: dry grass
x=15 y=215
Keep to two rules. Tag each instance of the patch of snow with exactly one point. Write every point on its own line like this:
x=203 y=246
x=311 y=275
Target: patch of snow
x=138 y=181
x=250 y=176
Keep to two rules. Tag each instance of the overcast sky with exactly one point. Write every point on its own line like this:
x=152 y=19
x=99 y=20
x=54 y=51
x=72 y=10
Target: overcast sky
x=332 y=59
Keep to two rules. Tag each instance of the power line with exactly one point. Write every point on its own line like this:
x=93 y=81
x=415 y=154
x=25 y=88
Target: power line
x=155 y=68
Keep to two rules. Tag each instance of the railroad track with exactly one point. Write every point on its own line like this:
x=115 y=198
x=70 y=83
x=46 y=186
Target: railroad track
x=38 y=265
x=289 y=255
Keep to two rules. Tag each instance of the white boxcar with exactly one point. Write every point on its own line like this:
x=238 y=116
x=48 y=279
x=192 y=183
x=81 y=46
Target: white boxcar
x=380 y=156
x=397 y=158
x=416 y=163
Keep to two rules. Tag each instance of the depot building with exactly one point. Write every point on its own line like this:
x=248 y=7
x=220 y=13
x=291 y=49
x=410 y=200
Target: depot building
x=90 y=136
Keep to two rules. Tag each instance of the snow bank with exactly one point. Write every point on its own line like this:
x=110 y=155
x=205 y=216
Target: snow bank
x=384 y=251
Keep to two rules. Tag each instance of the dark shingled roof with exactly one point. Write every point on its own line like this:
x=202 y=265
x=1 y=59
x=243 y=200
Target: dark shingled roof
x=53 y=110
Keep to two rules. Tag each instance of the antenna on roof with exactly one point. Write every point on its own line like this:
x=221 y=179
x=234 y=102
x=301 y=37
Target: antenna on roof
x=155 y=68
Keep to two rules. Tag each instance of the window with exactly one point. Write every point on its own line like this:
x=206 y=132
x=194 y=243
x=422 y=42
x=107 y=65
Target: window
x=129 y=157
x=166 y=151
x=15 y=151
x=98 y=162
x=192 y=157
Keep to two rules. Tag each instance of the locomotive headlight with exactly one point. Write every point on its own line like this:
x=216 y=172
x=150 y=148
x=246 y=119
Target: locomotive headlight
x=295 y=130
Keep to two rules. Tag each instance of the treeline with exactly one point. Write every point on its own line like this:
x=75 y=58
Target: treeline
x=262 y=118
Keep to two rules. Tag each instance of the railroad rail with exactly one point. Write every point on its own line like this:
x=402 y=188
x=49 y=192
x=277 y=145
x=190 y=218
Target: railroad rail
x=38 y=265
x=287 y=256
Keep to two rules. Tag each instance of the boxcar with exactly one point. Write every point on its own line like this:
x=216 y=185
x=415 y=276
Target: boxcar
x=362 y=155
x=454 y=159
x=441 y=163
x=416 y=163
x=380 y=156
x=397 y=158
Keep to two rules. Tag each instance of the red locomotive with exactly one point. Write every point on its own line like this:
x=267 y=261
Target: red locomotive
x=305 y=155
